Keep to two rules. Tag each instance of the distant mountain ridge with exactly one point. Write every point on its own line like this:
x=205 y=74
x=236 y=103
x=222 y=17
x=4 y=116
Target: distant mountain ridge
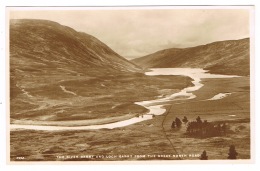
x=223 y=57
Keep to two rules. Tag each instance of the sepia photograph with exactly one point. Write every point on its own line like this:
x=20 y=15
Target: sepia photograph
x=120 y=84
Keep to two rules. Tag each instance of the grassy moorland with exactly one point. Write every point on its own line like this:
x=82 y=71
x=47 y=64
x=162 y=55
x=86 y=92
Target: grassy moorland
x=60 y=76
x=153 y=139
x=112 y=96
x=234 y=110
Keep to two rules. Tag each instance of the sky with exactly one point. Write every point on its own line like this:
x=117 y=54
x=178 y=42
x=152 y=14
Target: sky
x=138 y=32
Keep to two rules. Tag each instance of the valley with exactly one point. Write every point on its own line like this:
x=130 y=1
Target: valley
x=62 y=81
x=155 y=136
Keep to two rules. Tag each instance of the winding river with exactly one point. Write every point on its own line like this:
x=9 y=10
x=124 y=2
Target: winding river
x=155 y=107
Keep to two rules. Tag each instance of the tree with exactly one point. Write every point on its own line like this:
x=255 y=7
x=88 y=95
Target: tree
x=173 y=124
x=206 y=129
x=178 y=122
x=198 y=120
x=232 y=152
x=224 y=128
x=185 y=119
x=204 y=156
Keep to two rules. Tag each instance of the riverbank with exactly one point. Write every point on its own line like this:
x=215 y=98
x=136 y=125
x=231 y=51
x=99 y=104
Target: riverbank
x=152 y=106
x=98 y=99
x=148 y=137
x=234 y=110
x=75 y=123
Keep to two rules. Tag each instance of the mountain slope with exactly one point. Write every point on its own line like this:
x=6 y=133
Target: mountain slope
x=224 y=57
x=41 y=49
x=43 y=42
x=59 y=74
x=45 y=56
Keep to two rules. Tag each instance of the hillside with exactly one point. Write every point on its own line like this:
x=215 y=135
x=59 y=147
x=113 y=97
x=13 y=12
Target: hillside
x=57 y=73
x=45 y=56
x=224 y=57
x=36 y=44
x=41 y=49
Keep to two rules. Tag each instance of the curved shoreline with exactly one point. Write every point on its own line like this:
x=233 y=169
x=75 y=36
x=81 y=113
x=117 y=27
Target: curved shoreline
x=73 y=123
x=155 y=107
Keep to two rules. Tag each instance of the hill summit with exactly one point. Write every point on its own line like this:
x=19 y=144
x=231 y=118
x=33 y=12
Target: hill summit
x=224 y=57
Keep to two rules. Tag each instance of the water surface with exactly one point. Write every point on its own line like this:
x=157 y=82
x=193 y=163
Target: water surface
x=155 y=107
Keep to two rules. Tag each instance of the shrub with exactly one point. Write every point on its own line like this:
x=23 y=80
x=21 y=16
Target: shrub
x=232 y=152
x=204 y=156
x=205 y=129
x=185 y=119
x=178 y=122
x=173 y=124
